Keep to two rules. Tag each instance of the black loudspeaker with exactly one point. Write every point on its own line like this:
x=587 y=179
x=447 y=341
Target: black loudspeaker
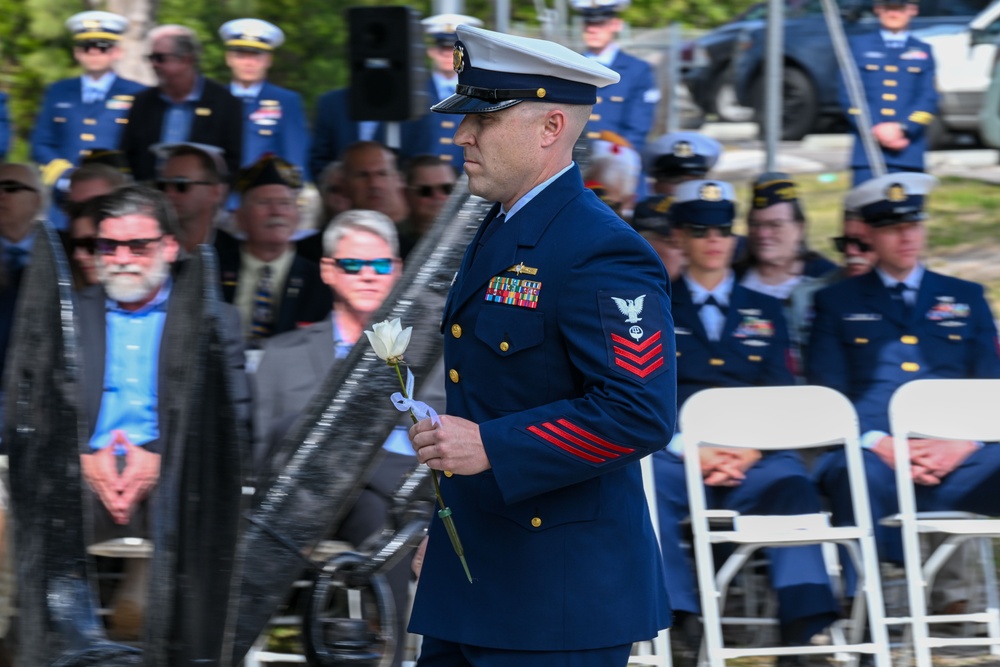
x=388 y=70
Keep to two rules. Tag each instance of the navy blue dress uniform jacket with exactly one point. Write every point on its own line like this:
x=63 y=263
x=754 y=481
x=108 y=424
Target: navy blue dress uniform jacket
x=275 y=122
x=898 y=84
x=442 y=128
x=305 y=298
x=864 y=346
x=218 y=121
x=568 y=395
x=333 y=131
x=629 y=106
x=68 y=129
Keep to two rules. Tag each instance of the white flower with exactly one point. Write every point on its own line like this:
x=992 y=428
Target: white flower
x=389 y=340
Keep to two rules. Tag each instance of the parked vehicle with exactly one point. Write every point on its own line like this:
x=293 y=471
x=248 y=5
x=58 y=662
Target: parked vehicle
x=812 y=78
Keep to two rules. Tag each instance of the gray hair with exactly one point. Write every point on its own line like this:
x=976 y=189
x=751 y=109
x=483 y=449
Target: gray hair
x=98 y=171
x=360 y=220
x=137 y=200
x=186 y=42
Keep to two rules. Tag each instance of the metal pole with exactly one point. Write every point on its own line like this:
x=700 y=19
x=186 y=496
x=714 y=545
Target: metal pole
x=673 y=77
x=502 y=16
x=447 y=7
x=774 y=74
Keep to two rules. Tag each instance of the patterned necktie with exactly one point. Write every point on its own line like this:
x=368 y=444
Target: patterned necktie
x=263 y=317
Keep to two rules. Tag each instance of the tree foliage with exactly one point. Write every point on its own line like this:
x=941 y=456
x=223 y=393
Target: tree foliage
x=35 y=48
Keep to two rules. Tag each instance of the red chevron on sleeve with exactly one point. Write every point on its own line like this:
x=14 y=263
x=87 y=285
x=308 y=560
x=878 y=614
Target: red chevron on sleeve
x=640 y=359
x=578 y=441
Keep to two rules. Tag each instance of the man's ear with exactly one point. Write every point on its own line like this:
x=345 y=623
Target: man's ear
x=554 y=126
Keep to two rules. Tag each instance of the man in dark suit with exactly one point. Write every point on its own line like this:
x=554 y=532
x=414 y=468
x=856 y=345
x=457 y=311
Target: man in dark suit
x=121 y=322
x=274 y=289
x=361 y=264
x=560 y=354
x=897 y=323
x=184 y=107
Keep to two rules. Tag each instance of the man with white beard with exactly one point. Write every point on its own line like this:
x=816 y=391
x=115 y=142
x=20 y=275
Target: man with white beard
x=121 y=324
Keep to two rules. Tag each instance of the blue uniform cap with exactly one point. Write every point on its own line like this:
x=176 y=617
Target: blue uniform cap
x=653 y=215
x=251 y=35
x=711 y=203
x=443 y=28
x=680 y=154
x=773 y=187
x=97 y=27
x=598 y=11
x=497 y=71
x=893 y=199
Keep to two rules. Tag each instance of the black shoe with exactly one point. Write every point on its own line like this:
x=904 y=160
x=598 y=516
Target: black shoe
x=685 y=639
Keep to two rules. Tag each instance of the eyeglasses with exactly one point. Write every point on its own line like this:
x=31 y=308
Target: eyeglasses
x=160 y=58
x=701 y=231
x=352 y=266
x=181 y=184
x=87 y=48
x=841 y=243
x=88 y=244
x=429 y=190
x=138 y=247
x=13 y=187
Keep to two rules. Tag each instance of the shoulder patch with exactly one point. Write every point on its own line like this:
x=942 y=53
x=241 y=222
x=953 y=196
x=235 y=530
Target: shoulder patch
x=633 y=331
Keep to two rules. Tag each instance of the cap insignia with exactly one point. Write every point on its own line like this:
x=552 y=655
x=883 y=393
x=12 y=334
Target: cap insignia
x=458 y=58
x=710 y=192
x=895 y=193
x=683 y=149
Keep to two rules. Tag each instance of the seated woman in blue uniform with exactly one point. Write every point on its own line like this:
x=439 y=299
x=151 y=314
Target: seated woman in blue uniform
x=730 y=336
x=776 y=255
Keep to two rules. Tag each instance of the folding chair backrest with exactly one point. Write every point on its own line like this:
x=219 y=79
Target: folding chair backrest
x=947 y=409
x=768 y=417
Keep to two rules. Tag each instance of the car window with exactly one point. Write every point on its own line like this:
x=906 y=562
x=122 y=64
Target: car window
x=953 y=7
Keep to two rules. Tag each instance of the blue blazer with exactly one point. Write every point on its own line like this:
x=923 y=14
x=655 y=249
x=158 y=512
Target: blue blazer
x=863 y=345
x=753 y=349
x=899 y=86
x=333 y=131
x=275 y=122
x=629 y=106
x=4 y=127
x=67 y=128
x=568 y=395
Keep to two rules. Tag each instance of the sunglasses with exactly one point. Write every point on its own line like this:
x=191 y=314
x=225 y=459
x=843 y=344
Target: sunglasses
x=841 y=243
x=701 y=231
x=13 y=187
x=182 y=184
x=138 y=247
x=429 y=190
x=352 y=266
x=88 y=244
x=160 y=58
x=101 y=48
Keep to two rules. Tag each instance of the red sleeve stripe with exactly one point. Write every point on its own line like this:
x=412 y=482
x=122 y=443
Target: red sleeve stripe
x=637 y=359
x=636 y=346
x=562 y=445
x=594 y=438
x=641 y=373
x=579 y=441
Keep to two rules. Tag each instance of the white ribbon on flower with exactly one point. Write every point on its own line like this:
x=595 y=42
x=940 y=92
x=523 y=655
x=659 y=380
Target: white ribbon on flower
x=419 y=409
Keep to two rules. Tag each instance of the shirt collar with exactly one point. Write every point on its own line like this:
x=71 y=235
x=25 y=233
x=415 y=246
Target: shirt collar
x=251 y=91
x=607 y=56
x=911 y=281
x=278 y=266
x=100 y=85
x=531 y=194
x=26 y=244
x=894 y=37
x=158 y=302
x=699 y=294
x=194 y=95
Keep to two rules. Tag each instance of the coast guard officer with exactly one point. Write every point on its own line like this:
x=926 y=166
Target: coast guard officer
x=897 y=323
x=441 y=84
x=560 y=357
x=628 y=107
x=274 y=119
x=897 y=75
x=730 y=336
x=85 y=112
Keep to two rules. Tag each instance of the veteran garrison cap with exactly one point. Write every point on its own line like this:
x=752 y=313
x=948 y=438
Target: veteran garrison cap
x=269 y=169
x=97 y=27
x=443 y=28
x=703 y=202
x=653 y=215
x=893 y=198
x=598 y=11
x=111 y=157
x=251 y=35
x=680 y=154
x=773 y=187
x=497 y=71
x=215 y=154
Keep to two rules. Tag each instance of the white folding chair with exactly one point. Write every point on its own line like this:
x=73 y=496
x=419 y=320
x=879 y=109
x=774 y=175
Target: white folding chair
x=660 y=657
x=949 y=410
x=779 y=418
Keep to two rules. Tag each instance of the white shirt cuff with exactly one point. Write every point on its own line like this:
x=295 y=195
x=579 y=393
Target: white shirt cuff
x=871 y=438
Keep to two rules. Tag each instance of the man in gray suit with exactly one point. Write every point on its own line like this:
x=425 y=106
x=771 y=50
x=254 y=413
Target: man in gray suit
x=361 y=264
x=121 y=323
